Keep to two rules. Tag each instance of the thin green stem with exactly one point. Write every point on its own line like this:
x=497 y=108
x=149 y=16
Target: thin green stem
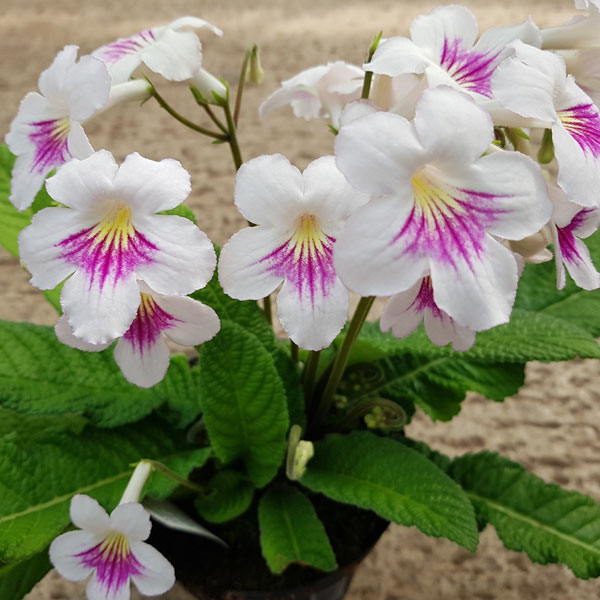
x=310 y=376
x=339 y=364
x=233 y=141
x=267 y=310
x=295 y=352
x=180 y=480
x=215 y=119
x=366 y=89
x=164 y=104
x=242 y=82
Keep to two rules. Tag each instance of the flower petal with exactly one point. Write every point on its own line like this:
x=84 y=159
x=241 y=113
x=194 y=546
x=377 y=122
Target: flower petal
x=132 y=520
x=268 y=190
x=152 y=186
x=157 y=575
x=51 y=81
x=444 y=23
x=443 y=330
x=477 y=294
x=378 y=153
x=64 y=333
x=25 y=183
x=398 y=56
x=402 y=314
x=195 y=23
x=110 y=587
x=87 y=87
x=574 y=255
x=78 y=144
x=87 y=514
x=184 y=260
x=64 y=550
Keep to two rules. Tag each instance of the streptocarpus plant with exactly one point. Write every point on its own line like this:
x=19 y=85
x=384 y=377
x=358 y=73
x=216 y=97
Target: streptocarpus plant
x=464 y=184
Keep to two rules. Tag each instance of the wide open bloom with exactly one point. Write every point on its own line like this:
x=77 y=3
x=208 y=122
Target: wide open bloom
x=167 y=50
x=298 y=217
x=570 y=225
x=107 y=234
x=142 y=352
x=47 y=130
x=534 y=84
x=405 y=311
x=318 y=92
x=111 y=549
x=441 y=204
x=443 y=48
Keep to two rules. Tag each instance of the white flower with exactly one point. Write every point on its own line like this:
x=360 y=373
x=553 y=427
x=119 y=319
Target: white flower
x=142 y=352
x=298 y=217
x=318 y=92
x=534 y=84
x=167 y=50
x=107 y=234
x=440 y=207
x=405 y=311
x=47 y=130
x=580 y=32
x=584 y=65
x=443 y=48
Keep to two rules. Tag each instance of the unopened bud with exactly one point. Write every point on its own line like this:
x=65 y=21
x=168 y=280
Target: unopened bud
x=304 y=452
x=210 y=88
x=546 y=151
x=255 y=73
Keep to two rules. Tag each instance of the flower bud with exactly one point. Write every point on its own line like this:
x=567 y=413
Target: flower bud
x=208 y=86
x=255 y=73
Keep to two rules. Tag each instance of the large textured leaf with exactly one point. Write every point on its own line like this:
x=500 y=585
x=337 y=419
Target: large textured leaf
x=39 y=375
x=228 y=496
x=17 y=579
x=244 y=402
x=39 y=476
x=396 y=482
x=291 y=532
x=548 y=523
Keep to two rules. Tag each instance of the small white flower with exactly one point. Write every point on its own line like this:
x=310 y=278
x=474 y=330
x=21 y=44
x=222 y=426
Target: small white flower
x=47 y=130
x=111 y=549
x=579 y=32
x=167 y=50
x=318 y=92
x=108 y=233
x=298 y=217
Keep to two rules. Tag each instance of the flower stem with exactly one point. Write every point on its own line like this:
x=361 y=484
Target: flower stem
x=232 y=138
x=214 y=118
x=295 y=352
x=310 y=375
x=366 y=89
x=339 y=364
x=164 y=104
x=241 y=83
x=267 y=310
x=180 y=480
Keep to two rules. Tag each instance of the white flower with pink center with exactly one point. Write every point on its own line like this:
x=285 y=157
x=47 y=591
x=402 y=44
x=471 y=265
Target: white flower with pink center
x=107 y=234
x=47 y=130
x=298 y=217
x=405 y=311
x=142 y=352
x=443 y=48
x=570 y=225
x=318 y=92
x=441 y=206
x=534 y=84
x=173 y=53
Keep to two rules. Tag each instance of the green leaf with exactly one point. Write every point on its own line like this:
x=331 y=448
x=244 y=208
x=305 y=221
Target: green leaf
x=396 y=482
x=291 y=532
x=228 y=496
x=41 y=376
x=17 y=579
x=38 y=477
x=548 y=523
x=244 y=403
x=181 y=211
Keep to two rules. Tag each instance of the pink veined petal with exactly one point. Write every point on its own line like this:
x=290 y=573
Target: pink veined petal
x=184 y=260
x=369 y=259
x=143 y=359
x=479 y=293
x=312 y=315
x=402 y=313
x=440 y=113
x=152 y=186
x=64 y=333
x=64 y=552
x=99 y=315
x=87 y=514
x=244 y=273
x=176 y=55
x=132 y=520
x=96 y=590
x=194 y=323
x=378 y=153
x=33 y=108
x=268 y=191
x=328 y=195
x=158 y=574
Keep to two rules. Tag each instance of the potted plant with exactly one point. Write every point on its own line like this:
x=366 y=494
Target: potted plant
x=270 y=465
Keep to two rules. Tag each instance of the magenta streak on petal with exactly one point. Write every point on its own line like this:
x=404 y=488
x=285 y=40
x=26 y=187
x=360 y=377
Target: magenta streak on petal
x=447 y=224
x=114 y=562
x=305 y=260
x=470 y=69
x=114 y=52
x=567 y=239
x=150 y=321
x=424 y=299
x=582 y=122
x=109 y=251
x=51 y=147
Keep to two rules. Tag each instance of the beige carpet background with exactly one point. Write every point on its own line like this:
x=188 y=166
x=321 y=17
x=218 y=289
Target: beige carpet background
x=551 y=426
